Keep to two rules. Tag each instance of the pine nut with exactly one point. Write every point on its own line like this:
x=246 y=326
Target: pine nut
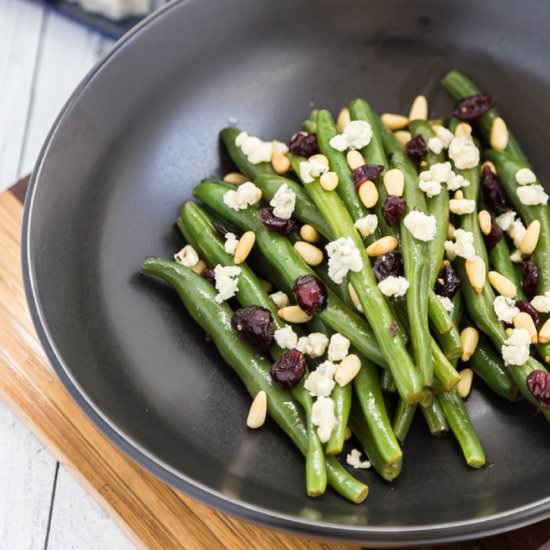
x=368 y=194
x=266 y=285
x=343 y=119
x=309 y=253
x=451 y=231
x=531 y=238
x=458 y=195
x=403 y=136
x=477 y=272
x=394 y=182
x=347 y=369
x=329 y=181
x=235 y=177
x=354 y=298
x=347 y=434
x=382 y=246
x=499 y=135
x=485 y=223
x=258 y=411
x=321 y=159
x=419 y=109
x=464 y=385
x=525 y=321
x=463 y=129
x=187 y=256
x=244 y=247
x=309 y=233
x=199 y=267
x=280 y=162
x=294 y=314
x=394 y=122
x=355 y=159
x=544 y=333
x=502 y=285
x=470 y=339
x=509 y=332
x=490 y=165
x=280 y=299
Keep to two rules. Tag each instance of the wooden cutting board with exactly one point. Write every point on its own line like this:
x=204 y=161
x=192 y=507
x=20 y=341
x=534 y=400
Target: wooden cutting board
x=151 y=513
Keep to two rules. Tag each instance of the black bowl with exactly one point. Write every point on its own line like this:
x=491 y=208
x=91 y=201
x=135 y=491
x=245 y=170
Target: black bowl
x=135 y=137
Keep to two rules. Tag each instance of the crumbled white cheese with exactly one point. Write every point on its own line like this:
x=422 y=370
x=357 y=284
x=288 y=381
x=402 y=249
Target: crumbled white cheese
x=244 y=196
x=255 y=149
x=440 y=171
x=505 y=309
x=505 y=221
x=283 y=202
x=463 y=245
x=463 y=153
x=393 y=287
x=279 y=147
x=343 y=256
x=280 y=299
x=517 y=232
x=516 y=256
x=430 y=187
x=353 y=459
x=338 y=347
x=227 y=281
x=231 y=243
x=285 y=337
x=421 y=226
x=367 y=225
x=515 y=350
x=542 y=302
x=187 y=256
x=525 y=176
x=320 y=382
x=314 y=345
x=446 y=302
x=311 y=169
x=456 y=181
x=356 y=135
x=462 y=206
x=445 y=135
x=532 y=195
x=322 y=416
x=435 y=145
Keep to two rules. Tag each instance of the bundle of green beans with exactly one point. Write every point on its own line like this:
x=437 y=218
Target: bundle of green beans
x=348 y=290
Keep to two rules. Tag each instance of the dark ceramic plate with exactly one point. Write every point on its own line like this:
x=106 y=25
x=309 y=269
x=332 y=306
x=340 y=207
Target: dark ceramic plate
x=136 y=136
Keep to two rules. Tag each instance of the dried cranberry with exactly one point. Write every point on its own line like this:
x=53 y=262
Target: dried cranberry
x=220 y=228
x=529 y=278
x=254 y=325
x=277 y=224
x=303 y=144
x=417 y=148
x=473 y=107
x=525 y=306
x=209 y=275
x=494 y=236
x=310 y=294
x=538 y=382
x=388 y=264
x=493 y=191
x=393 y=209
x=289 y=369
x=366 y=172
x=447 y=282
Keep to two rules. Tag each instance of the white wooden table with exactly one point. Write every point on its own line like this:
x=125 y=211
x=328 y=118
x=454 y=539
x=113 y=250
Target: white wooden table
x=42 y=58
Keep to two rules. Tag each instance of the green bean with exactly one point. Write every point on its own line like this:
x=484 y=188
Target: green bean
x=310 y=123
x=386 y=381
x=462 y=427
x=439 y=316
x=402 y=419
x=499 y=257
x=450 y=342
x=435 y=418
x=197 y=295
x=444 y=370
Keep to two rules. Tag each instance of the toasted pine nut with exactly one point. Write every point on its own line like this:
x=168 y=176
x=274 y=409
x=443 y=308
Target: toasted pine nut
x=419 y=108
x=382 y=246
x=235 y=177
x=348 y=433
x=280 y=162
x=309 y=233
x=368 y=194
x=451 y=231
x=329 y=181
x=187 y=256
x=464 y=385
x=347 y=369
x=525 y=321
x=502 y=285
x=309 y=253
x=266 y=285
x=394 y=182
x=199 y=267
x=394 y=122
x=244 y=247
x=544 y=333
x=258 y=411
x=343 y=119
x=531 y=238
x=280 y=299
x=463 y=129
x=499 y=135
x=355 y=159
x=485 y=223
x=403 y=136
x=294 y=314
x=321 y=159
x=470 y=339
x=354 y=298
x=458 y=195
x=490 y=165
x=477 y=272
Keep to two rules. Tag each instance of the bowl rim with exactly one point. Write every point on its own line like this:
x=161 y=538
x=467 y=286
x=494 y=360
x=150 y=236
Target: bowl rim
x=381 y=536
